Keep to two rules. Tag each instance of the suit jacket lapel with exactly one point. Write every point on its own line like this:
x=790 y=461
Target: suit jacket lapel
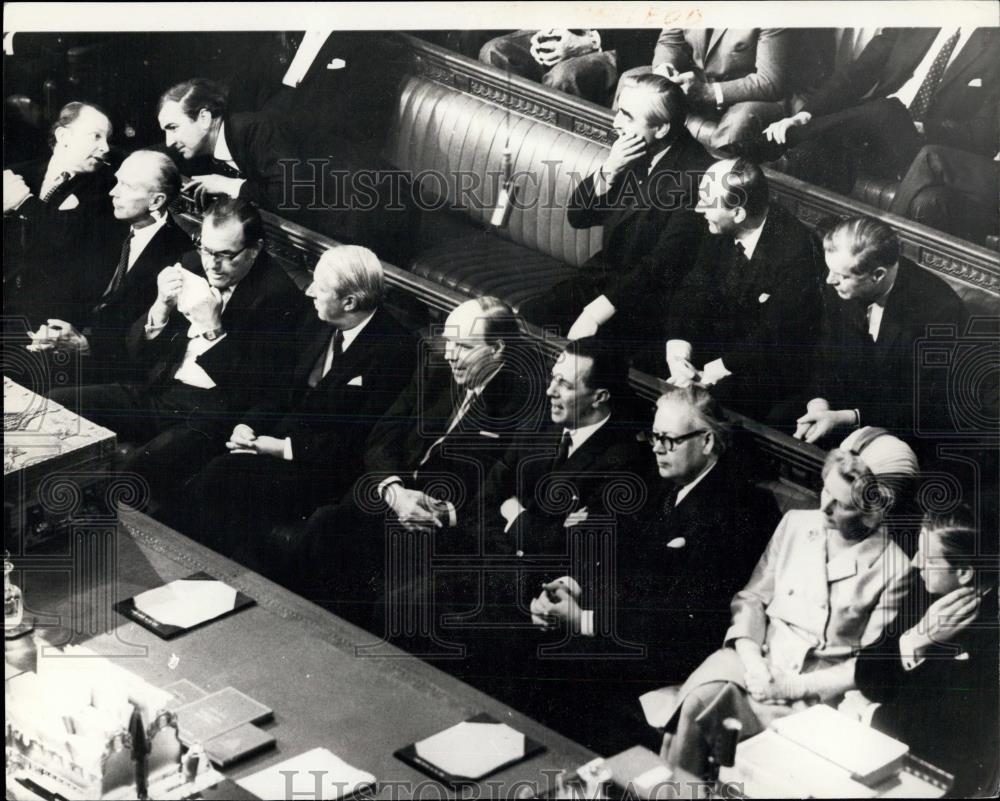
x=715 y=34
x=966 y=58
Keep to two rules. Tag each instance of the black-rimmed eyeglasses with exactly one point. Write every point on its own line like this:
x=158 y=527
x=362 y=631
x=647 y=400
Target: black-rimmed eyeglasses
x=220 y=255
x=655 y=438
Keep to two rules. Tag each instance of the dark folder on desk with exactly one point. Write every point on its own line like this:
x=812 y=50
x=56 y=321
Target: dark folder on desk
x=469 y=751
x=183 y=605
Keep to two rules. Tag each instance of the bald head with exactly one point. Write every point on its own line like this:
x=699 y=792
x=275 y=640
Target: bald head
x=733 y=195
x=147 y=182
x=476 y=335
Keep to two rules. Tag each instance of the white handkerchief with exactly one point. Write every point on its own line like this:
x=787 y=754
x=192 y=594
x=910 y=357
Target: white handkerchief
x=71 y=202
x=763 y=298
x=336 y=64
x=658 y=705
x=976 y=82
x=677 y=542
x=489 y=434
x=472 y=750
x=355 y=382
x=186 y=603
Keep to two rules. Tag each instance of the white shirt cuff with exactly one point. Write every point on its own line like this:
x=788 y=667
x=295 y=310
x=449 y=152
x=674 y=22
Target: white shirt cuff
x=908 y=652
x=719 y=99
x=587 y=622
x=385 y=483
x=600 y=310
x=509 y=511
x=237 y=186
x=153 y=329
x=286 y=454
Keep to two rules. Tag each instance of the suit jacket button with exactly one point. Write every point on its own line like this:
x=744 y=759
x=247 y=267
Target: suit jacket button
x=519 y=554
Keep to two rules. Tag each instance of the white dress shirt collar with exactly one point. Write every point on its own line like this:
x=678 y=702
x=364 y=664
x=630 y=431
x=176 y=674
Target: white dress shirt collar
x=580 y=435
x=682 y=493
x=141 y=237
x=749 y=239
x=222 y=152
x=350 y=334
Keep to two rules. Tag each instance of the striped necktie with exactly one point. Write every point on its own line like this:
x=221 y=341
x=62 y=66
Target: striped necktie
x=119 y=275
x=57 y=182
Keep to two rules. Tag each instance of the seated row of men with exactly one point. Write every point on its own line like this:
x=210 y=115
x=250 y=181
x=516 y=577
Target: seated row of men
x=693 y=251
x=249 y=412
x=907 y=88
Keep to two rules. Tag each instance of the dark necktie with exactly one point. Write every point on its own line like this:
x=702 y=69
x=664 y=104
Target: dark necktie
x=669 y=500
x=737 y=273
x=922 y=100
x=319 y=370
x=120 y=272
x=562 y=454
x=221 y=167
x=62 y=178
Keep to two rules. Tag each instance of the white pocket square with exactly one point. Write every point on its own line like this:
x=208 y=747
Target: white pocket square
x=763 y=298
x=677 y=542
x=71 y=202
x=336 y=64
x=356 y=382
x=489 y=434
x=976 y=82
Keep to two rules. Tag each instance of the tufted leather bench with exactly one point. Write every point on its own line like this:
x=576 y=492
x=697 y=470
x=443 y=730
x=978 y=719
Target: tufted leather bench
x=446 y=133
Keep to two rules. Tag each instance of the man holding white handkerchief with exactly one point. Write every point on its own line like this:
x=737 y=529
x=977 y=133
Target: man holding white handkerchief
x=214 y=342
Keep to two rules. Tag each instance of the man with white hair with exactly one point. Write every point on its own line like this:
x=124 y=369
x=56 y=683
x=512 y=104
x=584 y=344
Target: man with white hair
x=291 y=455
x=146 y=183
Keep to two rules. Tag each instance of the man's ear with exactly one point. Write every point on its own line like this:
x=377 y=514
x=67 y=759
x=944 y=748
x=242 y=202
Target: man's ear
x=662 y=131
x=204 y=118
x=739 y=215
x=709 y=442
x=60 y=134
x=350 y=303
x=498 y=349
x=966 y=576
x=601 y=396
x=158 y=201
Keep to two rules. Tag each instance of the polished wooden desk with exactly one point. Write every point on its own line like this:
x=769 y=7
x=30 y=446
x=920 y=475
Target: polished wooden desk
x=286 y=652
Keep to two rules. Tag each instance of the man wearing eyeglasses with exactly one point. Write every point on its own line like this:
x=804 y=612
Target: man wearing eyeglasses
x=218 y=338
x=676 y=566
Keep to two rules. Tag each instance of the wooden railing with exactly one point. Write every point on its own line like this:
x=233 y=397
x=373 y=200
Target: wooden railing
x=300 y=247
x=953 y=258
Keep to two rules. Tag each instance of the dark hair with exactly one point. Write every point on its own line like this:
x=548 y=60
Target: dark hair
x=706 y=409
x=745 y=186
x=609 y=369
x=871 y=242
x=957 y=532
x=500 y=322
x=197 y=94
x=68 y=115
x=667 y=104
x=226 y=209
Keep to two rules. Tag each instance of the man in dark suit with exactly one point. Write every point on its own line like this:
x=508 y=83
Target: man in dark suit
x=584 y=63
x=909 y=87
x=750 y=307
x=642 y=195
x=934 y=686
x=241 y=154
x=56 y=218
x=147 y=182
x=695 y=540
x=355 y=359
x=879 y=306
x=428 y=456
x=211 y=348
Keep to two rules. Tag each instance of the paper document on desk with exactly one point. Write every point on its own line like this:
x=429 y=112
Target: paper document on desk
x=183 y=604
x=472 y=750
x=186 y=603
x=318 y=774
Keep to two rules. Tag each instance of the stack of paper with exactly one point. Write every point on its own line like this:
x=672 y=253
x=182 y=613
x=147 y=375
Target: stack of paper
x=318 y=774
